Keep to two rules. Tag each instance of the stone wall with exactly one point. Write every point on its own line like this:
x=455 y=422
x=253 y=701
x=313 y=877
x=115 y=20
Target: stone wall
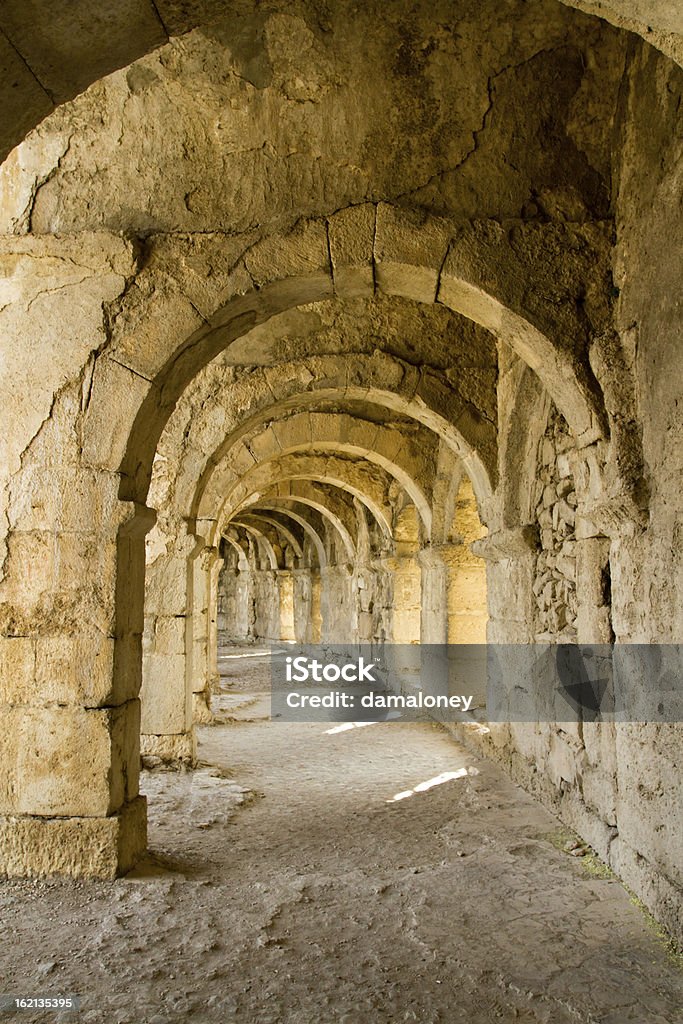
x=554 y=585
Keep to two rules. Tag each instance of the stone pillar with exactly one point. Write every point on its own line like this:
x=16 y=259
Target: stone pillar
x=167 y=732
x=244 y=605
x=285 y=591
x=598 y=519
x=227 y=604
x=338 y=604
x=407 y=598
x=301 y=590
x=201 y=665
x=315 y=622
x=72 y=604
x=510 y=557
x=307 y=620
x=366 y=596
x=465 y=592
x=213 y=677
x=181 y=658
x=266 y=604
x=434 y=618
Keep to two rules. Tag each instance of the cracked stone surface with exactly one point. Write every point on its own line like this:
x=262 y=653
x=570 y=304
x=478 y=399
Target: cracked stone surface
x=43 y=65
x=287 y=884
x=258 y=127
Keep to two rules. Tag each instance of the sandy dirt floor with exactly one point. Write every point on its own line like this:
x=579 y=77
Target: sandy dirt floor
x=287 y=884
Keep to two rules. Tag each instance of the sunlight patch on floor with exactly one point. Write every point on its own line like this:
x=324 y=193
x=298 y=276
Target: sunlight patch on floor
x=422 y=787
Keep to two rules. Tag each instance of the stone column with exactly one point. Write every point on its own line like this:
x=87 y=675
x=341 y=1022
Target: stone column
x=366 y=595
x=213 y=678
x=227 y=604
x=285 y=591
x=338 y=604
x=177 y=679
x=315 y=627
x=399 y=584
x=434 y=617
x=204 y=566
x=510 y=557
x=301 y=601
x=72 y=604
x=244 y=605
x=307 y=620
x=176 y=652
x=407 y=599
x=465 y=593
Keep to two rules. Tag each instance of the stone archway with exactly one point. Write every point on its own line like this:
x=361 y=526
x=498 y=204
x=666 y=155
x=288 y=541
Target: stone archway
x=134 y=387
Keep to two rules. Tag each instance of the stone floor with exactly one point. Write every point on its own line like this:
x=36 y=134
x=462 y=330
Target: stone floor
x=288 y=884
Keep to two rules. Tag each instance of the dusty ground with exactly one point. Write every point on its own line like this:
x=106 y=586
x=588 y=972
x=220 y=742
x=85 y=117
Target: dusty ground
x=287 y=885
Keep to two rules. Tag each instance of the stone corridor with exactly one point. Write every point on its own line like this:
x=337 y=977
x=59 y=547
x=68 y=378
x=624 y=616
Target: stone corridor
x=286 y=883
x=334 y=323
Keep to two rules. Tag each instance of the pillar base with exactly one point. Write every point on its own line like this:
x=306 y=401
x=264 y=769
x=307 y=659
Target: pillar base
x=174 y=750
x=102 y=848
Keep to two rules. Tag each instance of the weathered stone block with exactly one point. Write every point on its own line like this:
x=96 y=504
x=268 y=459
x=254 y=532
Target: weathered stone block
x=301 y=253
x=17 y=669
x=68 y=761
x=169 y=634
x=409 y=252
x=351 y=234
x=91 y=847
x=599 y=789
x=177 y=749
x=115 y=397
x=648 y=798
x=164 y=694
x=67 y=499
x=201 y=712
x=294 y=431
x=79 y=670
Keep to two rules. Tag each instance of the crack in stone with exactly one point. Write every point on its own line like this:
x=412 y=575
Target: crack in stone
x=29 y=209
x=28 y=67
x=477 y=132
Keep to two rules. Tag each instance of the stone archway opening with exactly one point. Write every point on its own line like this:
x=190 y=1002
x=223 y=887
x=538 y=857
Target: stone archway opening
x=374 y=262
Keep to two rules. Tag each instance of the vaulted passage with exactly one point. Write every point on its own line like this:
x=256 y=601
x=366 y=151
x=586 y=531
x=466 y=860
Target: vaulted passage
x=333 y=326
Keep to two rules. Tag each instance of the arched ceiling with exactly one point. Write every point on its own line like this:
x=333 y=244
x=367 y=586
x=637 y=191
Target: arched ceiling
x=315 y=504
x=262 y=115
x=261 y=521
x=51 y=52
x=230 y=418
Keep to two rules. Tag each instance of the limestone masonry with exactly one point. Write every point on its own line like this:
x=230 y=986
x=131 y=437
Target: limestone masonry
x=334 y=323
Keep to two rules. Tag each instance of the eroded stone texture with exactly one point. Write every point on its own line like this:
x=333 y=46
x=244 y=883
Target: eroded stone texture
x=282 y=141
x=338 y=352
x=555 y=583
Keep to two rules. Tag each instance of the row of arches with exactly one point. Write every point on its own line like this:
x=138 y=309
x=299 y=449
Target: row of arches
x=215 y=416
x=254 y=389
